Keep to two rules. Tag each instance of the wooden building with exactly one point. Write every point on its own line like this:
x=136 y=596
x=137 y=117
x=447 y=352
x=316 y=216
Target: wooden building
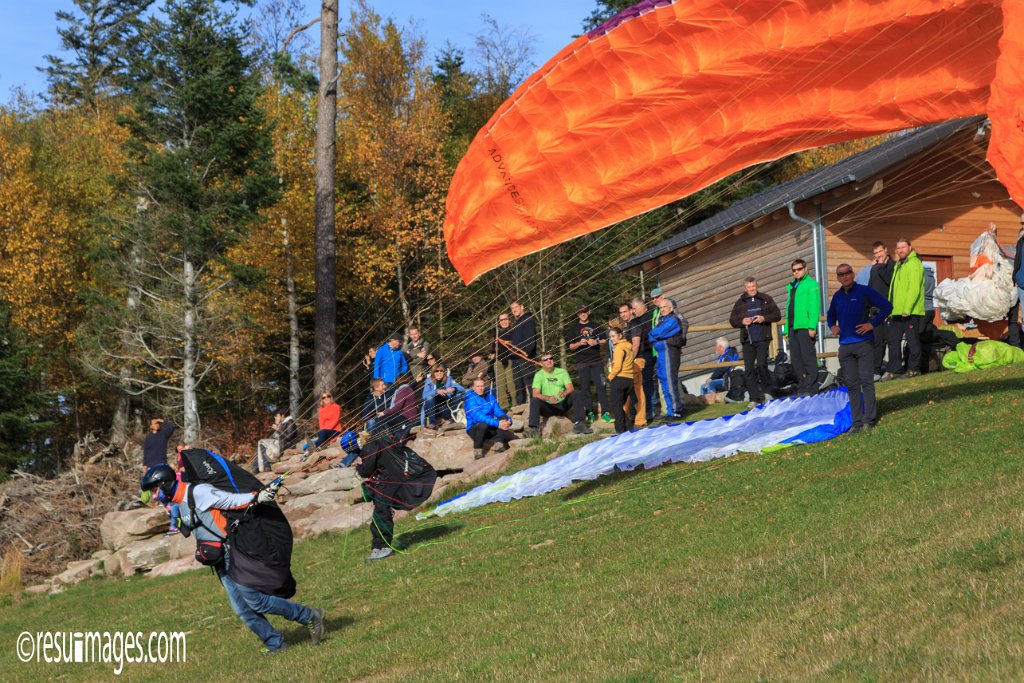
x=931 y=185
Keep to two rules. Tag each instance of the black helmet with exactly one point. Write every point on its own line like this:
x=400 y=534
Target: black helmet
x=162 y=476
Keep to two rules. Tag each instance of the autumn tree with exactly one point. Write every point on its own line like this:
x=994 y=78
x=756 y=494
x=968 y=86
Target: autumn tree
x=23 y=407
x=393 y=131
x=201 y=163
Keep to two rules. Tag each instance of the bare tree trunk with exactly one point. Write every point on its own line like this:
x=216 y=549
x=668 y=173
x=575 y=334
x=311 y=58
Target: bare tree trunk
x=406 y=313
x=188 y=365
x=119 y=423
x=294 y=390
x=325 y=338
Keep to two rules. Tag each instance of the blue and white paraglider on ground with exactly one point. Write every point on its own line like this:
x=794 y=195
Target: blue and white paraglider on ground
x=776 y=424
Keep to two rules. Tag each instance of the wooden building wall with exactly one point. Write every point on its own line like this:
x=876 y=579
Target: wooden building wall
x=941 y=201
x=707 y=282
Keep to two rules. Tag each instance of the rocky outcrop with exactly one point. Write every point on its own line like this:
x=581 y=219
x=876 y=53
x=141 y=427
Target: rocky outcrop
x=119 y=529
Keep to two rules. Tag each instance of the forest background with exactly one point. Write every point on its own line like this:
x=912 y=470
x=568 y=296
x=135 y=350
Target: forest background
x=158 y=239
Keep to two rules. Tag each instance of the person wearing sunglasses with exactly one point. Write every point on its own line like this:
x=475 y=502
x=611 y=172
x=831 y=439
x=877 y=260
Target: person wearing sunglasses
x=854 y=312
x=553 y=395
x=329 y=416
x=803 y=308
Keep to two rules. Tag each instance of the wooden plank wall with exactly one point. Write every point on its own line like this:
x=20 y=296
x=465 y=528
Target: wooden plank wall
x=706 y=284
x=941 y=201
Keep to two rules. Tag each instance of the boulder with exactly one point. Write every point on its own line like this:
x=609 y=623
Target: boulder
x=144 y=555
x=518 y=410
x=118 y=529
x=79 y=571
x=556 y=426
x=447 y=452
x=39 y=588
x=177 y=566
x=304 y=506
x=335 y=479
x=493 y=463
x=178 y=546
x=518 y=424
x=340 y=519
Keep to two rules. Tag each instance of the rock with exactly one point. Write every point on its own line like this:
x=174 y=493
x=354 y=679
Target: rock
x=118 y=529
x=335 y=520
x=178 y=546
x=78 y=572
x=304 y=506
x=492 y=463
x=56 y=589
x=101 y=554
x=118 y=563
x=144 y=555
x=518 y=424
x=518 y=410
x=451 y=451
x=172 y=567
x=343 y=479
x=556 y=426
x=39 y=588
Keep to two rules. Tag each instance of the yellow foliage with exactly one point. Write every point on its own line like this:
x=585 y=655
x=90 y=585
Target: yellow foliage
x=11 y=568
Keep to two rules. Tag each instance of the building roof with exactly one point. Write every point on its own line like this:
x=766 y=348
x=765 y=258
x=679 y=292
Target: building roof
x=856 y=168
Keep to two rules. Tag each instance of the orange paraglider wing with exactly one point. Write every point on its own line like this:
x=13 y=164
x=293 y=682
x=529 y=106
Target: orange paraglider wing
x=669 y=97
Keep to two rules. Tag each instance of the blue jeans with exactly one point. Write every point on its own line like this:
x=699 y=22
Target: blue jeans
x=250 y=605
x=715 y=385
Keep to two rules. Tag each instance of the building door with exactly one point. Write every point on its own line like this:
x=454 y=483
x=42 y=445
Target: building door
x=941 y=268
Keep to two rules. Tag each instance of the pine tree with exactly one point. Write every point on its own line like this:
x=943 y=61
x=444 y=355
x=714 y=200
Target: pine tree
x=202 y=166
x=21 y=409
x=101 y=38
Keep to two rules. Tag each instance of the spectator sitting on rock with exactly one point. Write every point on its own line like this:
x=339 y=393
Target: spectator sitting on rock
x=553 y=395
x=477 y=368
x=486 y=420
x=402 y=414
x=725 y=353
x=330 y=419
x=441 y=396
x=375 y=405
x=285 y=436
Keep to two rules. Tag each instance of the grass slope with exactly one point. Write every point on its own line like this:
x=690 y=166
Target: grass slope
x=890 y=555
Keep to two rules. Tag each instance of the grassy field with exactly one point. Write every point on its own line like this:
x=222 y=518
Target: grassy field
x=897 y=554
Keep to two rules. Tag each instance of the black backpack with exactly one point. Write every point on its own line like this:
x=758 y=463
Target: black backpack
x=736 y=385
x=259 y=537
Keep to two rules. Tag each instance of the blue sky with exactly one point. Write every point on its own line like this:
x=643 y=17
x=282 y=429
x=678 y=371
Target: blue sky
x=28 y=28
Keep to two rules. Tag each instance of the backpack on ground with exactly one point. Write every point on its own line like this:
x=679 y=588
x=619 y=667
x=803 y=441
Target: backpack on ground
x=259 y=540
x=735 y=385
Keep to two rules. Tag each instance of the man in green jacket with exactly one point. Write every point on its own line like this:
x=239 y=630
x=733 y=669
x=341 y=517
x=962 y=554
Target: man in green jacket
x=803 y=309
x=906 y=292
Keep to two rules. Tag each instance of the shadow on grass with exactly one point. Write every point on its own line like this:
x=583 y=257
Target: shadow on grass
x=588 y=487
x=333 y=628
x=918 y=397
x=411 y=538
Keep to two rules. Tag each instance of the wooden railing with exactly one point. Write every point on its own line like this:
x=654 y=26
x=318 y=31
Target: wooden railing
x=773 y=348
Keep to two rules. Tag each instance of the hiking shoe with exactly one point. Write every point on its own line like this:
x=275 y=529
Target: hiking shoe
x=732 y=400
x=856 y=428
x=878 y=377
x=582 y=428
x=173 y=530
x=315 y=626
x=590 y=416
x=500 y=448
x=607 y=417
x=531 y=433
x=379 y=554
x=867 y=427
x=478 y=453
x=911 y=373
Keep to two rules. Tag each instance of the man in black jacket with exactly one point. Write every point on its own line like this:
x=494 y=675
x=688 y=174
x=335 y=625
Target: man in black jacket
x=753 y=313
x=1014 y=331
x=879 y=280
x=524 y=336
x=395 y=478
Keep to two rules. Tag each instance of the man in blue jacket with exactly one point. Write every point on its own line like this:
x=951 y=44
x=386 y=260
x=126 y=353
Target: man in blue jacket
x=854 y=312
x=668 y=338
x=486 y=420
x=389 y=363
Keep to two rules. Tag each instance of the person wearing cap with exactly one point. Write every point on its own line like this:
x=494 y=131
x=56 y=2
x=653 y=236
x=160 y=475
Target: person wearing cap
x=657 y=296
x=553 y=394
x=390 y=362
x=477 y=368
x=855 y=311
x=584 y=340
